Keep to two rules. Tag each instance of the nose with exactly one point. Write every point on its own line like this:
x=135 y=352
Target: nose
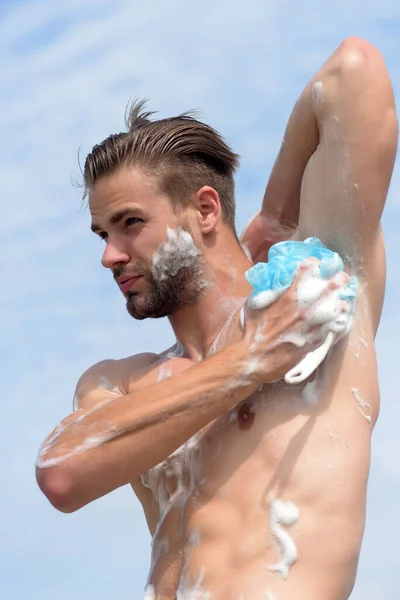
x=114 y=255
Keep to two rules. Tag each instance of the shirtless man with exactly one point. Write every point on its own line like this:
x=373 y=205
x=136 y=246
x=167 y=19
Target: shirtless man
x=252 y=489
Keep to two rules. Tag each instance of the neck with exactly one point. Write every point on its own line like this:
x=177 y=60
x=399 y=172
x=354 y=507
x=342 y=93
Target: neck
x=196 y=326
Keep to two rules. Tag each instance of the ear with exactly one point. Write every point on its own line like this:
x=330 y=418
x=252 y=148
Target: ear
x=208 y=208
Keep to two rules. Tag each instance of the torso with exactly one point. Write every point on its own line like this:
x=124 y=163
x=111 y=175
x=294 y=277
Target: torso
x=213 y=506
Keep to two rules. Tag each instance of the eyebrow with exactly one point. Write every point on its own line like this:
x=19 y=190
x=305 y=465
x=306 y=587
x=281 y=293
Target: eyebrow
x=114 y=219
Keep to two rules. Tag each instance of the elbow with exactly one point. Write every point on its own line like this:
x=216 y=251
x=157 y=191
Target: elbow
x=346 y=75
x=58 y=488
x=357 y=51
x=361 y=64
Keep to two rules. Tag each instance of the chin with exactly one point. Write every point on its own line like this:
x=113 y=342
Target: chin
x=134 y=310
x=142 y=312
x=137 y=308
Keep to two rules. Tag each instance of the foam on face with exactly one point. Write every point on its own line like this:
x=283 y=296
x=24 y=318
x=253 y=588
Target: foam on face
x=177 y=252
x=283 y=514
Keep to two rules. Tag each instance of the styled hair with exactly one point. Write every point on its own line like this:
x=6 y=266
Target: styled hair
x=182 y=152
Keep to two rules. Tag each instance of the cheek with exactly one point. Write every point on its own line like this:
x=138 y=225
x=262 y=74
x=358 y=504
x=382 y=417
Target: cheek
x=144 y=246
x=142 y=243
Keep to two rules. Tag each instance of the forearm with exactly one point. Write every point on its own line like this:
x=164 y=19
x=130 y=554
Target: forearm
x=282 y=195
x=109 y=446
x=279 y=215
x=318 y=101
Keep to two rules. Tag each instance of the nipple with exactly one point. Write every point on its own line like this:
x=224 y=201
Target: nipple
x=245 y=417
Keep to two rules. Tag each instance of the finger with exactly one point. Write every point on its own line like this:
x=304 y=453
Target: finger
x=308 y=267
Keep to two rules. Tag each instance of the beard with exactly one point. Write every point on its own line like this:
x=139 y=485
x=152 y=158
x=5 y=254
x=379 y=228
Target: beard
x=175 y=280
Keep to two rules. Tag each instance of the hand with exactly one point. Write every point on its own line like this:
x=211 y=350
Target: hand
x=279 y=336
x=261 y=233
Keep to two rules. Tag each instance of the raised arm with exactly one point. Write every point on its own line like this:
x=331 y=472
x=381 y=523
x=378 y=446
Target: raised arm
x=278 y=218
x=336 y=159
x=346 y=181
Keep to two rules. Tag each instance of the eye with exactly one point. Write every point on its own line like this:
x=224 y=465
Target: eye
x=132 y=221
x=103 y=235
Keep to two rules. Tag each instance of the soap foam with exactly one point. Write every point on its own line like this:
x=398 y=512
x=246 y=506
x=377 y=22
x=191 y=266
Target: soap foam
x=95 y=434
x=264 y=299
x=175 y=468
x=333 y=435
x=286 y=514
x=158 y=549
x=361 y=405
x=149 y=593
x=364 y=343
x=329 y=310
x=164 y=372
x=90 y=442
x=197 y=592
x=179 y=251
x=247 y=252
x=317 y=93
x=217 y=342
x=178 y=351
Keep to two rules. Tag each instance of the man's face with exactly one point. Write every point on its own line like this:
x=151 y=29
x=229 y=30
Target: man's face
x=149 y=249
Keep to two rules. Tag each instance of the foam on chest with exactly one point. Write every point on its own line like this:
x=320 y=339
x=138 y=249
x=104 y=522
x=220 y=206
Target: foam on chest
x=177 y=475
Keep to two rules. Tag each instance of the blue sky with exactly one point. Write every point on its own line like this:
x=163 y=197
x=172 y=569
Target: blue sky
x=68 y=70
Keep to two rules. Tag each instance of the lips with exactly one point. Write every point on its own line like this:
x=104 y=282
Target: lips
x=126 y=283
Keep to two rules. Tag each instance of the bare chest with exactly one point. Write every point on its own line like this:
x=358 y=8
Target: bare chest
x=226 y=448
x=282 y=432
x=321 y=427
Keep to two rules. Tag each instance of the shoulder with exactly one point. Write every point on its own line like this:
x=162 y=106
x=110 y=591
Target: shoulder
x=109 y=378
